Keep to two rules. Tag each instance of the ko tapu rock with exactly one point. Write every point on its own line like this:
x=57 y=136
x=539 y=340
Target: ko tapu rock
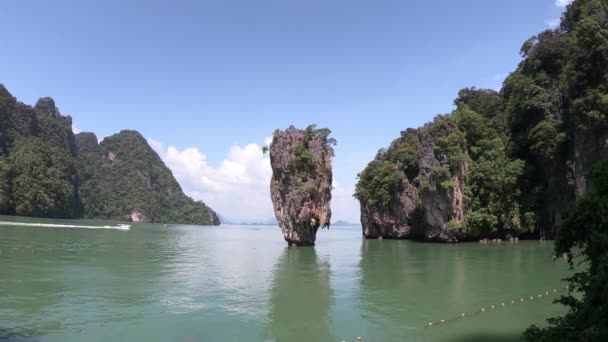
x=301 y=182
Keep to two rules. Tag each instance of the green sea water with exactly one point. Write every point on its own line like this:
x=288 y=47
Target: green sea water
x=242 y=283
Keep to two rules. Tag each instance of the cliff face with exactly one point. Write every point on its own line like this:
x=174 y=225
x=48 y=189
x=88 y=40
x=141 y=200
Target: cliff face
x=440 y=203
x=422 y=206
x=301 y=182
x=395 y=220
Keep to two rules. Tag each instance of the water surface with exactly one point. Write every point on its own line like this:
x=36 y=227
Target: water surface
x=242 y=283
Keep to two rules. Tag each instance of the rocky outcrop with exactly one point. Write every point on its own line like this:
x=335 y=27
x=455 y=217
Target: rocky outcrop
x=46 y=106
x=393 y=221
x=139 y=217
x=441 y=204
x=301 y=182
x=421 y=207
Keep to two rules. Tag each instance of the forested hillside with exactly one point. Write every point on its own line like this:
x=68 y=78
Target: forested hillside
x=502 y=163
x=37 y=160
x=124 y=176
x=46 y=171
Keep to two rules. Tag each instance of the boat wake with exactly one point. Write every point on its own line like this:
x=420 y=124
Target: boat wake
x=50 y=225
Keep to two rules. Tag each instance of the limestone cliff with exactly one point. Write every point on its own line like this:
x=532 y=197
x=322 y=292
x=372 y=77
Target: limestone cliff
x=421 y=206
x=301 y=182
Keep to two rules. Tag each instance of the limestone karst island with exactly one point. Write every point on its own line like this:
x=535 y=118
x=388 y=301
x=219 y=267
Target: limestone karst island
x=301 y=182
x=304 y=171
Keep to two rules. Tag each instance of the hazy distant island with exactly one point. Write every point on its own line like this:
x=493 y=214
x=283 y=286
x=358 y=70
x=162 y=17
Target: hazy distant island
x=47 y=171
x=344 y=223
x=268 y=222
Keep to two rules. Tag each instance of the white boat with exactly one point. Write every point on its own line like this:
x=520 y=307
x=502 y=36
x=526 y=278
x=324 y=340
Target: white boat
x=124 y=226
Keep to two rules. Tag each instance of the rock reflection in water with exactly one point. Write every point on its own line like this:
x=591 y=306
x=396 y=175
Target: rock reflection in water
x=301 y=297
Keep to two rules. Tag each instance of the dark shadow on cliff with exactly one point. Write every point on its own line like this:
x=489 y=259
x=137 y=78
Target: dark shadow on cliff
x=301 y=298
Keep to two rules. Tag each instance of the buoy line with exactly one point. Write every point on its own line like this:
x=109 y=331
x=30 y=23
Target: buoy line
x=489 y=308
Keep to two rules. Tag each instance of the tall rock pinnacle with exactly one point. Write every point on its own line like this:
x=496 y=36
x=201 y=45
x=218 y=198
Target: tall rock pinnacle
x=301 y=182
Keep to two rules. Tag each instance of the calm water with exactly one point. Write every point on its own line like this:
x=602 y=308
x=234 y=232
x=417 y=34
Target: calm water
x=241 y=283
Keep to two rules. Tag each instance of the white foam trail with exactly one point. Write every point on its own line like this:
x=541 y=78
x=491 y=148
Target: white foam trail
x=5 y=223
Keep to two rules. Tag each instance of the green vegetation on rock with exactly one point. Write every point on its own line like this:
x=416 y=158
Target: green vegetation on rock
x=378 y=182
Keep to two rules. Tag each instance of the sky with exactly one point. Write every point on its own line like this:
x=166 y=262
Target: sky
x=207 y=82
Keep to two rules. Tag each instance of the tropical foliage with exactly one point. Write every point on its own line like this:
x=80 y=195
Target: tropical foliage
x=37 y=162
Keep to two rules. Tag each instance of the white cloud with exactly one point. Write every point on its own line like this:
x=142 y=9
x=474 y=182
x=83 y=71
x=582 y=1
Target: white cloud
x=552 y=23
x=563 y=3
x=239 y=188
x=75 y=129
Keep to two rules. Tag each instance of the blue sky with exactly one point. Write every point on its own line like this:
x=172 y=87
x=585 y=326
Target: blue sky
x=208 y=81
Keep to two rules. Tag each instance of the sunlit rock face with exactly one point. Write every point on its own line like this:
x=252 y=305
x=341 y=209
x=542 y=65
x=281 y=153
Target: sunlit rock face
x=301 y=182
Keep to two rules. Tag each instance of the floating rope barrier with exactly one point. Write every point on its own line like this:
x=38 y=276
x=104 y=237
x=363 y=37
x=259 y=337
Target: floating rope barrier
x=494 y=307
